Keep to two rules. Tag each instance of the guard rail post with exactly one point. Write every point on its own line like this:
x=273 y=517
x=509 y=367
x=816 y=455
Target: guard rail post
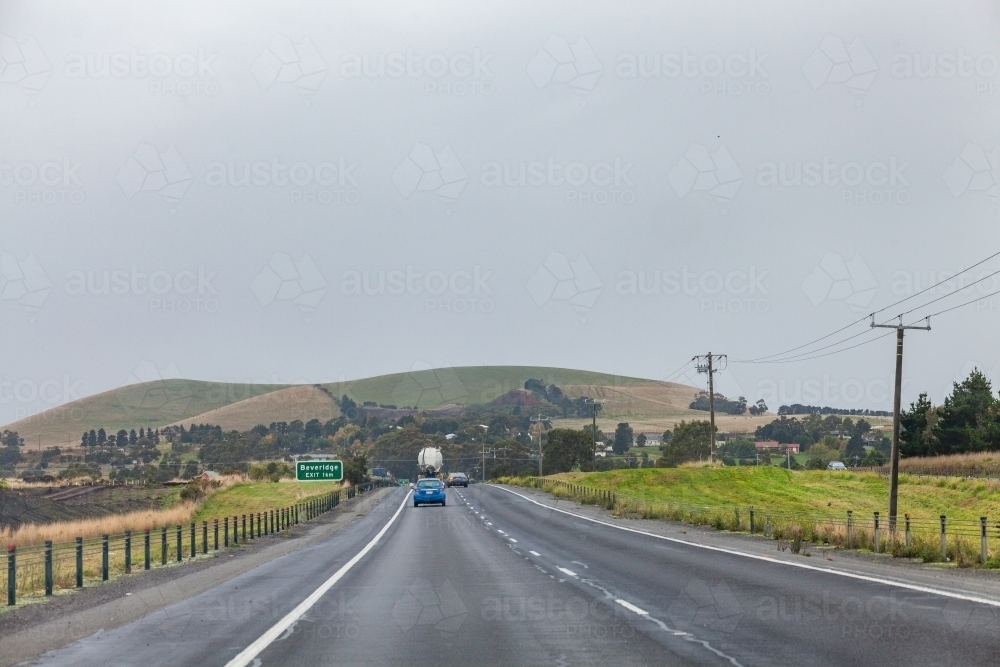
x=128 y=552
x=11 y=575
x=215 y=523
x=145 y=550
x=225 y=531
x=194 y=542
x=944 y=538
x=983 y=546
x=850 y=529
x=909 y=536
x=236 y=532
x=767 y=526
x=163 y=545
x=204 y=537
x=48 y=567
x=751 y=520
x=104 y=557
x=79 y=562
x=243 y=526
x=877 y=534
x=180 y=546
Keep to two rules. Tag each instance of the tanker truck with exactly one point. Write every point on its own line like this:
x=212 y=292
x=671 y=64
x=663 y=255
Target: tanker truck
x=429 y=461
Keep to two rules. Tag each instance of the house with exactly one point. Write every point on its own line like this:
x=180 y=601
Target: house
x=209 y=475
x=777 y=446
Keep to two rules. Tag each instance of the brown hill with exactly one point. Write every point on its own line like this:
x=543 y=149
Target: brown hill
x=303 y=402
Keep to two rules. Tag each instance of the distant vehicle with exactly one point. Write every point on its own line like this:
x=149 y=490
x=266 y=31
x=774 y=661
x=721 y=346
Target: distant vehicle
x=404 y=482
x=836 y=465
x=458 y=479
x=429 y=491
x=429 y=461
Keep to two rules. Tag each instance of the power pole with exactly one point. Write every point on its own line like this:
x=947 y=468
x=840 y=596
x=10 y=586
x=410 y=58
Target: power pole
x=593 y=404
x=894 y=474
x=540 y=420
x=705 y=364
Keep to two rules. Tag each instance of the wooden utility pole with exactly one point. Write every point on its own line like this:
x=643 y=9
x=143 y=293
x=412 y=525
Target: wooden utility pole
x=704 y=364
x=540 y=420
x=894 y=466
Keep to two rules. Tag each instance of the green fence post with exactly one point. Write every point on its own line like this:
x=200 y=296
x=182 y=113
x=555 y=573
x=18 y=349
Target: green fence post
x=145 y=550
x=104 y=558
x=11 y=575
x=194 y=542
x=128 y=552
x=225 y=531
x=983 y=547
x=48 y=567
x=79 y=562
x=908 y=534
x=204 y=537
x=180 y=546
x=259 y=534
x=163 y=545
x=216 y=523
x=944 y=538
x=850 y=529
x=751 y=520
x=878 y=535
x=296 y=514
x=236 y=531
x=243 y=526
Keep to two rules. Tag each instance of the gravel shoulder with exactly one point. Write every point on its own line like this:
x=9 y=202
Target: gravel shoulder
x=30 y=630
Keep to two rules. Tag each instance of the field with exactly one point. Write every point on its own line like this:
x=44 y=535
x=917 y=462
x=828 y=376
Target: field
x=303 y=402
x=257 y=497
x=776 y=489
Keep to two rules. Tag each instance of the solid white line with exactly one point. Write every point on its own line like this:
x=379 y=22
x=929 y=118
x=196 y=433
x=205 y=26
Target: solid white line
x=565 y=571
x=631 y=607
x=534 y=553
x=512 y=539
x=246 y=656
x=743 y=554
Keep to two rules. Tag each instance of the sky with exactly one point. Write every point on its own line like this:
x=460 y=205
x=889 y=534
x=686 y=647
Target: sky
x=311 y=192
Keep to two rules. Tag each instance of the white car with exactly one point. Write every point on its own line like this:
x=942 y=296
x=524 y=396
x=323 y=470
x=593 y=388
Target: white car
x=836 y=465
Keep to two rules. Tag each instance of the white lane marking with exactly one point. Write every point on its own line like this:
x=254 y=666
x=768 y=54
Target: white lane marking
x=488 y=523
x=565 y=571
x=631 y=607
x=246 y=656
x=534 y=553
x=512 y=539
x=501 y=532
x=768 y=559
x=585 y=567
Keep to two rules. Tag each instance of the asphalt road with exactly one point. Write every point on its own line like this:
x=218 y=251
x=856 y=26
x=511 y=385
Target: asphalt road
x=495 y=579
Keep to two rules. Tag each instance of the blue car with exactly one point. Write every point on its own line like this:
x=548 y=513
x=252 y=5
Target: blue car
x=428 y=492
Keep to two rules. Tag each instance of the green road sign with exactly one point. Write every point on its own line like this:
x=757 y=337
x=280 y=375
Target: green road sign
x=319 y=471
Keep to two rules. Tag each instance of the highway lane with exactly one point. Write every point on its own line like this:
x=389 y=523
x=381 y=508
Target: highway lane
x=756 y=613
x=495 y=579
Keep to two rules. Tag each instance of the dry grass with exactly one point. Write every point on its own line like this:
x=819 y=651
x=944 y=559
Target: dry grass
x=973 y=464
x=302 y=402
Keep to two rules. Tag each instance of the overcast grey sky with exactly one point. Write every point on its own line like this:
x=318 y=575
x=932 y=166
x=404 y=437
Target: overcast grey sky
x=306 y=192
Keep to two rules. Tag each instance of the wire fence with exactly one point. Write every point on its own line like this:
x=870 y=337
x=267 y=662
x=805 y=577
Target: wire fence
x=62 y=566
x=965 y=542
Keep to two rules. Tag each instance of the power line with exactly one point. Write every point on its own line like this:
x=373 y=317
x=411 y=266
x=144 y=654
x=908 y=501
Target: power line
x=827 y=354
x=880 y=310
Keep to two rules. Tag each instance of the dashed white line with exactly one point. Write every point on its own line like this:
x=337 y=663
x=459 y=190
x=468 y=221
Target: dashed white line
x=512 y=539
x=534 y=553
x=632 y=608
x=567 y=572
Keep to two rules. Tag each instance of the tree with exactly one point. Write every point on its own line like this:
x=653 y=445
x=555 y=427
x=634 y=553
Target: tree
x=916 y=437
x=11 y=439
x=874 y=458
x=968 y=419
x=102 y=436
x=623 y=438
x=565 y=448
x=356 y=469
x=691 y=441
x=855 y=447
x=758 y=408
x=640 y=441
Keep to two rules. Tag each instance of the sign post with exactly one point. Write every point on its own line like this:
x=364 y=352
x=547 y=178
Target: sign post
x=319 y=471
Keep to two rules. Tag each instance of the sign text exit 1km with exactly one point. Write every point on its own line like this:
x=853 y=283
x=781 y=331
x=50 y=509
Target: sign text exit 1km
x=319 y=471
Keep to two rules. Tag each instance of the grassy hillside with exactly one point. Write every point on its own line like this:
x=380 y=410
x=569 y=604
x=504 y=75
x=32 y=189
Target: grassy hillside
x=147 y=404
x=467 y=385
x=303 y=402
x=648 y=404
x=255 y=497
x=772 y=488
